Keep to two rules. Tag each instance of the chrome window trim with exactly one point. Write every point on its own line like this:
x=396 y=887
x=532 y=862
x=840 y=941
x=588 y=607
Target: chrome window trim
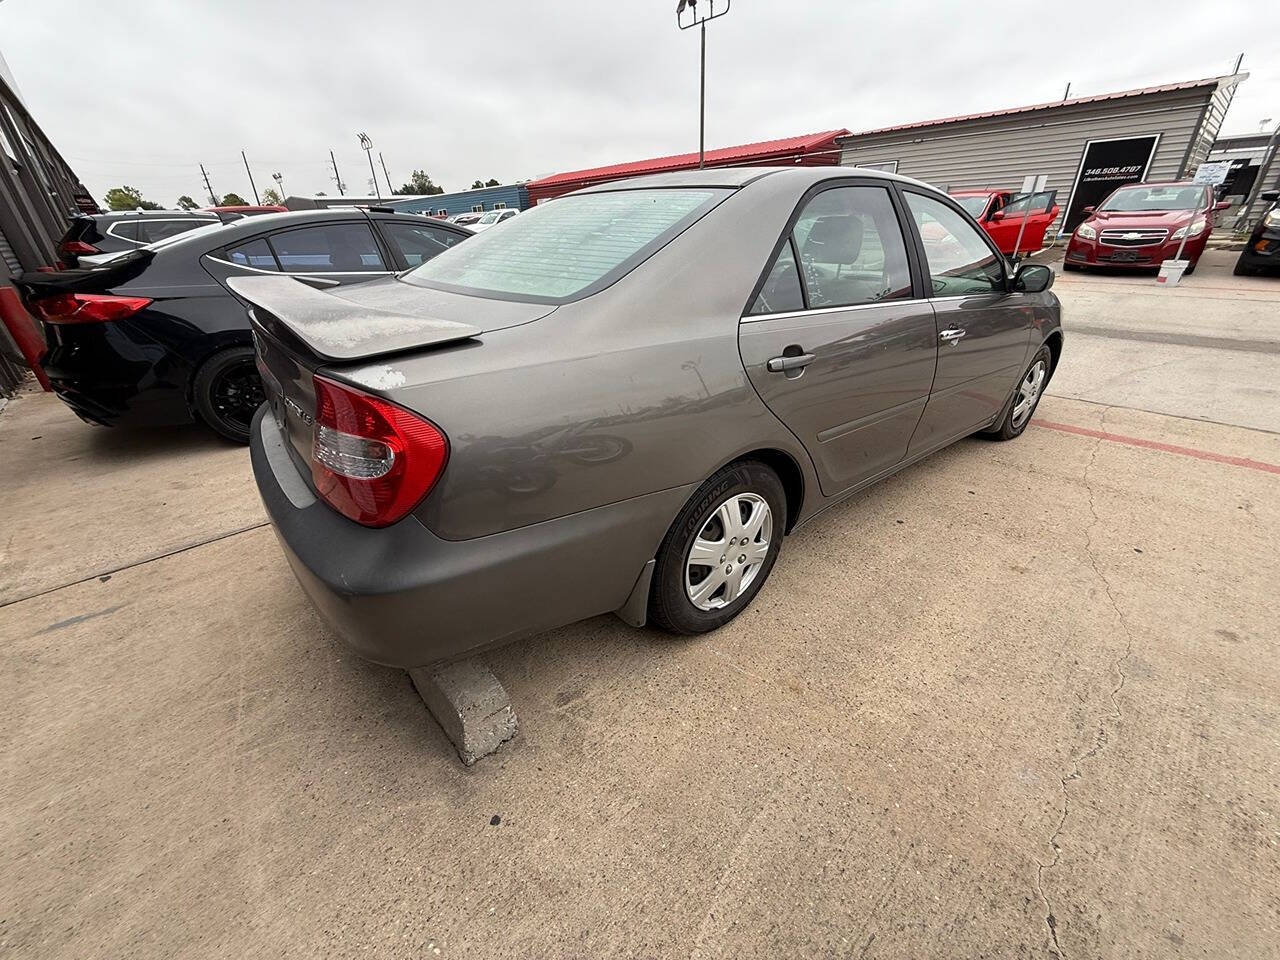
x=111 y=227
x=818 y=311
x=309 y=273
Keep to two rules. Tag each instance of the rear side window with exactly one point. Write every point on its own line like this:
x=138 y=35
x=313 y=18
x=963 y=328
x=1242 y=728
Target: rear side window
x=255 y=253
x=418 y=244
x=150 y=232
x=851 y=248
x=959 y=260
x=124 y=229
x=328 y=248
x=572 y=247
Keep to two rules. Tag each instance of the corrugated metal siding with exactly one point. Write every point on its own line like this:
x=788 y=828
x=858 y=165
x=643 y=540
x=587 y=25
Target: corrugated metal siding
x=1000 y=151
x=8 y=257
x=514 y=195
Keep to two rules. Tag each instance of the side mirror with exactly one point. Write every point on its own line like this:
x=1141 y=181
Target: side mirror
x=1271 y=195
x=996 y=215
x=1032 y=278
x=1088 y=211
x=1221 y=205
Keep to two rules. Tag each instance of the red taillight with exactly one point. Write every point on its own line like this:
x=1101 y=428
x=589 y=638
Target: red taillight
x=87 y=307
x=372 y=461
x=77 y=247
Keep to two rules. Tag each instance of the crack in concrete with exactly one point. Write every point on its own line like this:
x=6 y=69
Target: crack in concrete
x=1101 y=737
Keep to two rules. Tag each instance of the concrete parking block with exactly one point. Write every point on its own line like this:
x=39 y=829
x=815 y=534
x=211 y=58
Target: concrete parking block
x=470 y=704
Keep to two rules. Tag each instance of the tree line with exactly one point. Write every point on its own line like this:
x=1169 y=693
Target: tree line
x=125 y=197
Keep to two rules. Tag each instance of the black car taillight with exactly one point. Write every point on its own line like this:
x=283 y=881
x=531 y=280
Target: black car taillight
x=87 y=307
x=371 y=460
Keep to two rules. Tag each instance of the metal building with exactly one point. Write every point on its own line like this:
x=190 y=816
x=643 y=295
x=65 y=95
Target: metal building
x=1083 y=145
x=501 y=197
x=38 y=193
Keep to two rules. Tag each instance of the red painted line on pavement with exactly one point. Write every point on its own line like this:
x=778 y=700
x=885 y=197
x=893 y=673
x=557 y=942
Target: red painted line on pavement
x=1164 y=447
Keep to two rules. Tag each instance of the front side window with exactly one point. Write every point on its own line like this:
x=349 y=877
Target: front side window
x=328 y=248
x=418 y=244
x=959 y=260
x=577 y=244
x=851 y=248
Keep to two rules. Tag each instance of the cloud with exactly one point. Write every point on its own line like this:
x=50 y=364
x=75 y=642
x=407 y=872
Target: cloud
x=516 y=90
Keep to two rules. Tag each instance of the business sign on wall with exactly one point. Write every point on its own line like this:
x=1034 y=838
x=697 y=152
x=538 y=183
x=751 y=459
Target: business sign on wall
x=1106 y=165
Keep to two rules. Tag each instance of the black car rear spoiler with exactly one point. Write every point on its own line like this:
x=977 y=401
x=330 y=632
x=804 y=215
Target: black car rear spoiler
x=334 y=328
x=98 y=279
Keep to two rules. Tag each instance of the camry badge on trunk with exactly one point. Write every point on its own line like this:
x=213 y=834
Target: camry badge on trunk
x=298 y=412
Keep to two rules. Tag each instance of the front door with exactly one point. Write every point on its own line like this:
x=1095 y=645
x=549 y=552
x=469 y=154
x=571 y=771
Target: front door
x=835 y=342
x=984 y=331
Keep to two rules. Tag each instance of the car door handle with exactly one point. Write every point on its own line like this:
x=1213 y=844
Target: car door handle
x=782 y=364
x=951 y=336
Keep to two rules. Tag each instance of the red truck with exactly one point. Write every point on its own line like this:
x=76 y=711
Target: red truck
x=1002 y=213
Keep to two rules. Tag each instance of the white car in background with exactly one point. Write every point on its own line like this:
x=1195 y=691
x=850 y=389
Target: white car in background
x=493 y=218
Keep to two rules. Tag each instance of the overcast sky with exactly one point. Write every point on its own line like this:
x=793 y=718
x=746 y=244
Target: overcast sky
x=142 y=91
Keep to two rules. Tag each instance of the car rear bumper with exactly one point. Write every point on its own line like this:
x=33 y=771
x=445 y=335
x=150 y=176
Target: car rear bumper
x=114 y=374
x=404 y=597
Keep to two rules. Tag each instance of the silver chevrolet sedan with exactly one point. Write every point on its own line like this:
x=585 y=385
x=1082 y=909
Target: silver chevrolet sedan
x=624 y=399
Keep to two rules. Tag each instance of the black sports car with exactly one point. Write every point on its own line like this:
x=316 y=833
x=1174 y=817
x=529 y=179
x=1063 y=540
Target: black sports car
x=155 y=337
x=1261 y=253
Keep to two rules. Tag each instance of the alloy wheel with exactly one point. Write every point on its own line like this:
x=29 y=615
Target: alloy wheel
x=728 y=552
x=236 y=393
x=1028 y=393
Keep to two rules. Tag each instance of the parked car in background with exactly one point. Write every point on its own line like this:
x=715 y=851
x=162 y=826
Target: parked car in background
x=154 y=336
x=467 y=219
x=1261 y=253
x=1003 y=213
x=90 y=234
x=1143 y=225
x=493 y=218
x=248 y=210
x=621 y=401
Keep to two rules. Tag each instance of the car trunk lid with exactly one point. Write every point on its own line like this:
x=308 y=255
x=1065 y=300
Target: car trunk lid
x=300 y=330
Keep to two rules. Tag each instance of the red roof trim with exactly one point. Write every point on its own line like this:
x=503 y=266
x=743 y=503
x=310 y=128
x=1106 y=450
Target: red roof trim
x=1097 y=98
x=719 y=156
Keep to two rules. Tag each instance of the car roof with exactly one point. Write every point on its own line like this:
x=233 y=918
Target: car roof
x=735 y=177
x=168 y=214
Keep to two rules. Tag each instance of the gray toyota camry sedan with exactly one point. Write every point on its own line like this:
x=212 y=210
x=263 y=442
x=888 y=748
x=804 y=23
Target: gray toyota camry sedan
x=624 y=399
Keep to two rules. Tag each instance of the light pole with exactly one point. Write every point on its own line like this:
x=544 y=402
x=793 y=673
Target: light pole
x=367 y=146
x=279 y=185
x=694 y=20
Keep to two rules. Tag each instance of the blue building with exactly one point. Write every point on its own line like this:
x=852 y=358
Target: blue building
x=513 y=196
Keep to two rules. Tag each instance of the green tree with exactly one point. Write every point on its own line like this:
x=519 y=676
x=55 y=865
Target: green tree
x=419 y=185
x=271 y=198
x=186 y=203
x=233 y=200
x=129 y=198
x=485 y=183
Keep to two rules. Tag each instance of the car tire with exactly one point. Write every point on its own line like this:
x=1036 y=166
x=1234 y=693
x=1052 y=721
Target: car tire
x=1191 y=267
x=226 y=391
x=1016 y=417
x=753 y=493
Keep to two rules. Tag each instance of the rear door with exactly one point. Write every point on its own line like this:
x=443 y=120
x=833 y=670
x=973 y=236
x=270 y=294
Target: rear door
x=837 y=340
x=983 y=329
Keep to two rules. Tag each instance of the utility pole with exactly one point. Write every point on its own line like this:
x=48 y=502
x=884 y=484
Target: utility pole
x=254 y=186
x=1067 y=92
x=701 y=22
x=390 y=189
x=336 y=176
x=212 y=196
x=367 y=146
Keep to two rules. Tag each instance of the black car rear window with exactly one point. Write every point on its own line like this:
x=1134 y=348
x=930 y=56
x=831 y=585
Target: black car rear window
x=568 y=248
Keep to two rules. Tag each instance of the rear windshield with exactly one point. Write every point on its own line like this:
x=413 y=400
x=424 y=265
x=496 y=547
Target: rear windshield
x=569 y=247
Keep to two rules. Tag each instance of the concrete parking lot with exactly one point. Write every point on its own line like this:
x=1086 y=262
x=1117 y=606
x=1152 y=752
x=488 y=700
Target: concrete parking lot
x=1019 y=700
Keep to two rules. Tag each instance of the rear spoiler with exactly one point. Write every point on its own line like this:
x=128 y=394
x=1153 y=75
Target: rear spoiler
x=99 y=279
x=334 y=328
